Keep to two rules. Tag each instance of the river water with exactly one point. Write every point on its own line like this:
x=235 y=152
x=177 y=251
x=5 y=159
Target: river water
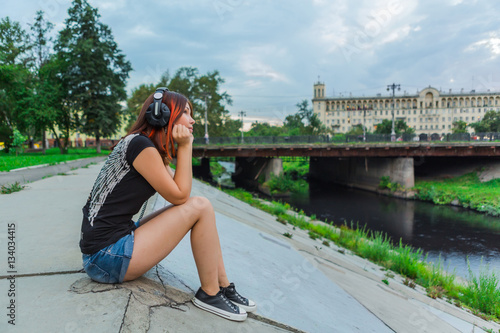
x=450 y=233
x=453 y=234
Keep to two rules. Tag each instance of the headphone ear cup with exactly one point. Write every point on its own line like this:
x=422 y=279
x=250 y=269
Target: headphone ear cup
x=160 y=121
x=165 y=114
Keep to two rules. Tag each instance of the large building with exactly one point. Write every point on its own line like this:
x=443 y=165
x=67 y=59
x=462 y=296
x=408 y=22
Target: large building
x=428 y=111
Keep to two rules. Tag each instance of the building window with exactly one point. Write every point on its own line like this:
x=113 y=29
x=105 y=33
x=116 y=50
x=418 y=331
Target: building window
x=473 y=118
x=319 y=114
x=444 y=126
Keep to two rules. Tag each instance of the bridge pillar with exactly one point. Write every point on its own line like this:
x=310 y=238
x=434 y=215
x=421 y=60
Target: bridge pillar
x=251 y=171
x=203 y=171
x=364 y=173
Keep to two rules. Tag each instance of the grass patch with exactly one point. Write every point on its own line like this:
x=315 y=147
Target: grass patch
x=52 y=156
x=11 y=188
x=479 y=293
x=466 y=191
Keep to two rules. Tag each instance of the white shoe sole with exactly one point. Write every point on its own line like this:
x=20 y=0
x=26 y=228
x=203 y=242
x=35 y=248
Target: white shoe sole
x=250 y=308
x=219 y=312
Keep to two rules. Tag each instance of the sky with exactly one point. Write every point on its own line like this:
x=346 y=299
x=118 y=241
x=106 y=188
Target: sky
x=270 y=53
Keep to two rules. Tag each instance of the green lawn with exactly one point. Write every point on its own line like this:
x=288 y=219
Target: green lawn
x=52 y=156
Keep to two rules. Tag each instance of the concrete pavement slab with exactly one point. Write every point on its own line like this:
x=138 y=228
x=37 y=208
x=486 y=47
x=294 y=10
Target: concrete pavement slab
x=47 y=217
x=45 y=304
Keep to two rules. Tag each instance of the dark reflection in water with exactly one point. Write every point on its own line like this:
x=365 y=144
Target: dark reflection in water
x=450 y=232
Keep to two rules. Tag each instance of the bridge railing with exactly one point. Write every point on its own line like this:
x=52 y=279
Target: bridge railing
x=256 y=140
x=343 y=138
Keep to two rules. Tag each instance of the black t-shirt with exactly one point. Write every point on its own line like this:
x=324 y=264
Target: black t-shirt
x=118 y=193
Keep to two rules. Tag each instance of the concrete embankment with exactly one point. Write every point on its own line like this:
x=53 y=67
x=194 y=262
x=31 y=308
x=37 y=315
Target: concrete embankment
x=298 y=283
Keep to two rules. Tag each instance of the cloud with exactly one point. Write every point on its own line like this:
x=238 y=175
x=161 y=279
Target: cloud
x=492 y=44
x=252 y=63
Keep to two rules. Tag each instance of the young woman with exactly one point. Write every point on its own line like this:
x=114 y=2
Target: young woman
x=115 y=249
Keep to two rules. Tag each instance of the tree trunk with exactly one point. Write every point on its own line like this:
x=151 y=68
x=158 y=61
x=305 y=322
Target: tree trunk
x=98 y=143
x=44 y=141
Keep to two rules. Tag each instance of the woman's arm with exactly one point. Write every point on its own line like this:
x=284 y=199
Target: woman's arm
x=149 y=164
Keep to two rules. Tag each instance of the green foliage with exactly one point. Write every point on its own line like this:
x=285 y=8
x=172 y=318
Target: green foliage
x=400 y=127
x=216 y=169
x=95 y=70
x=356 y=130
x=285 y=183
x=14 y=43
x=489 y=123
x=18 y=141
x=11 y=188
x=295 y=124
x=482 y=291
x=459 y=126
x=264 y=129
x=385 y=183
x=136 y=101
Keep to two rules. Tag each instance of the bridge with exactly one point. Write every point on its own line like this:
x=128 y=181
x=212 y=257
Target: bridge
x=469 y=149
x=356 y=164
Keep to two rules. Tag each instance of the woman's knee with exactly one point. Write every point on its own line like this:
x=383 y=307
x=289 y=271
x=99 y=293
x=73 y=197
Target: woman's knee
x=200 y=204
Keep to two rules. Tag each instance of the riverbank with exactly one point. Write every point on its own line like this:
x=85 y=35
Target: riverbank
x=479 y=293
x=466 y=191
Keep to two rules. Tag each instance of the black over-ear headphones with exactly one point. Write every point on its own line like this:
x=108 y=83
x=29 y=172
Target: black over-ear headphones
x=158 y=113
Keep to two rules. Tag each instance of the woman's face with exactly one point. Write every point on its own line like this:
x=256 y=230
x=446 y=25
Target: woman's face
x=186 y=119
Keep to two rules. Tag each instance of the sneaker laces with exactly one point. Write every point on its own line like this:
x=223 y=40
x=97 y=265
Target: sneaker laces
x=231 y=305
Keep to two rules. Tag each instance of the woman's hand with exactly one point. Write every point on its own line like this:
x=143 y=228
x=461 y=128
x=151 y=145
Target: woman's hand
x=182 y=135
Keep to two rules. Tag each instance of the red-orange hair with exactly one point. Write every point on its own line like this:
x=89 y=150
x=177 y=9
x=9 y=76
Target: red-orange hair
x=177 y=104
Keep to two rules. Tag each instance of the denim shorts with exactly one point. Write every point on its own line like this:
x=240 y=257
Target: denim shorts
x=110 y=264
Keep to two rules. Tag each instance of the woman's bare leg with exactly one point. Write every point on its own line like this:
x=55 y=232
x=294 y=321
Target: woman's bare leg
x=154 y=240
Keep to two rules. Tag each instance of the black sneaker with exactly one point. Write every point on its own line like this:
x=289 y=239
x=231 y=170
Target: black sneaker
x=219 y=305
x=242 y=302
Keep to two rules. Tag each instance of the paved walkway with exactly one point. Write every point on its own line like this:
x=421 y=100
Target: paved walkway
x=298 y=283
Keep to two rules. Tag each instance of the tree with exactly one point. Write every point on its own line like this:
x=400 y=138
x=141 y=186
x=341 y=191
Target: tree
x=459 y=126
x=136 y=101
x=202 y=91
x=400 y=127
x=356 y=130
x=293 y=125
x=264 y=129
x=296 y=124
x=489 y=123
x=14 y=76
x=41 y=48
x=14 y=43
x=95 y=70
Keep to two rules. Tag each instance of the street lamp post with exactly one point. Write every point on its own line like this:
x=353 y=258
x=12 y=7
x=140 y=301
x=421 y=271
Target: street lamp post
x=393 y=87
x=242 y=114
x=206 y=117
x=364 y=124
